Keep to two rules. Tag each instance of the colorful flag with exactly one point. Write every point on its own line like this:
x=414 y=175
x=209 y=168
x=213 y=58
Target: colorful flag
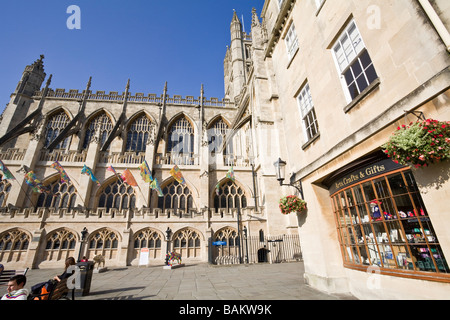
x=218 y=188
x=88 y=172
x=230 y=174
x=176 y=173
x=111 y=168
x=128 y=178
x=145 y=172
x=6 y=173
x=64 y=177
x=34 y=183
x=155 y=185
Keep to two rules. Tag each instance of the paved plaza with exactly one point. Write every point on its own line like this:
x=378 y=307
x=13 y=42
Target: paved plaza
x=282 y=281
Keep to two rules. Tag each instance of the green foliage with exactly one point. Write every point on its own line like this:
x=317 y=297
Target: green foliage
x=420 y=144
x=291 y=204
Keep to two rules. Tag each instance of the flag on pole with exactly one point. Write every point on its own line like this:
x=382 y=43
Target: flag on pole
x=176 y=173
x=88 y=172
x=145 y=172
x=218 y=188
x=230 y=174
x=6 y=173
x=155 y=185
x=111 y=168
x=34 y=183
x=128 y=178
x=64 y=177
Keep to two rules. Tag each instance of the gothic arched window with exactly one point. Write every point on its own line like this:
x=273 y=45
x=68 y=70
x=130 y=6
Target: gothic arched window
x=55 y=125
x=148 y=238
x=230 y=236
x=101 y=121
x=117 y=195
x=176 y=196
x=5 y=188
x=216 y=135
x=60 y=245
x=180 y=144
x=13 y=245
x=187 y=242
x=229 y=196
x=138 y=134
x=63 y=195
x=103 y=242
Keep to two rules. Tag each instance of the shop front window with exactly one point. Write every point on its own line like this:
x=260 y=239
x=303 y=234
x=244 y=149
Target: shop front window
x=383 y=222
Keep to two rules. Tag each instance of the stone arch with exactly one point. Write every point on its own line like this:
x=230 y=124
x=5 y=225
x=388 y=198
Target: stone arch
x=14 y=245
x=229 y=252
x=59 y=245
x=104 y=241
x=176 y=195
x=229 y=194
x=99 y=118
x=188 y=242
x=63 y=195
x=113 y=193
x=55 y=122
x=139 y=129
x=149 y=238
x=217 y=133
x=180 y=140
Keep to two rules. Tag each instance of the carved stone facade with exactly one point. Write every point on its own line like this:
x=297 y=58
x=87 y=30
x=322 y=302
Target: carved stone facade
x=321 y=84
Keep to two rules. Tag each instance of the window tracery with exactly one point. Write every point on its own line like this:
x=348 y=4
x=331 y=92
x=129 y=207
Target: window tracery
x=13 y=245
x=62 y=196
x=101 y=122
x=180 y=144
x=176 y=196
x=187 y=242
x=103 y=242
x=138 y=134
x=55 y=125
x=60 y=245
x=229 y=196
x=117 y=195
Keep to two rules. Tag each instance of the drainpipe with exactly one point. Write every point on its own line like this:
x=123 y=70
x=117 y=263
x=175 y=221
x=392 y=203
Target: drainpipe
x=437 y=22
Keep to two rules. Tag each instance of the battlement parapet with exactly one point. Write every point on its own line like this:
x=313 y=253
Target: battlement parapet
x=132 y=215
x=137 y=97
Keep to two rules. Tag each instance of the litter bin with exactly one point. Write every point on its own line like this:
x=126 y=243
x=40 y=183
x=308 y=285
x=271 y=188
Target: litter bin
x=86 y=271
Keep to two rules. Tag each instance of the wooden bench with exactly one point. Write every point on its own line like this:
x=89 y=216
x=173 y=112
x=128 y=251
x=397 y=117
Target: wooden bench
x=59 y=291
x=7 y=274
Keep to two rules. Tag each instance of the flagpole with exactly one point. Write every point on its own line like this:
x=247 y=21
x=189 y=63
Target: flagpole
x=24 y=191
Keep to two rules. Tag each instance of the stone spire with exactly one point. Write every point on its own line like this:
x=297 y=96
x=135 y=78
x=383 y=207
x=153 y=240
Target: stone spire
x=32 y=78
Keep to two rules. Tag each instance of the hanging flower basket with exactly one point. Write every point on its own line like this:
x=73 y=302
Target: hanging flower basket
x=420 y=143
x=292 y=204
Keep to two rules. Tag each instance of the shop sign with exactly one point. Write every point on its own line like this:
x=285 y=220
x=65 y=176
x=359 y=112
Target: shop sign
x=364 y=173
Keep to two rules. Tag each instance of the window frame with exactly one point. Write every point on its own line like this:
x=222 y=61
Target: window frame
x=351 y=60
x=353 y=226
x=291 y=41
x=308 y=114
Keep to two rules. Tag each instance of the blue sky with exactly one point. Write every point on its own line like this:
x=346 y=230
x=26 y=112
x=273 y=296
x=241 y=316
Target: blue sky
x=149 y=41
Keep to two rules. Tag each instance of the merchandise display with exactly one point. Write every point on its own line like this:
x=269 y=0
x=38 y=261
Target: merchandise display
x=383 y=222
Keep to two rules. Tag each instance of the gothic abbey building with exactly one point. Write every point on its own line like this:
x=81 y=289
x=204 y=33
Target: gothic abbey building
x=321 y=85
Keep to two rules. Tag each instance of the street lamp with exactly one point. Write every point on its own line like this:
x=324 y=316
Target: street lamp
x=84 y=233
x=246 y=244
x=280 y=167
x=168 y=234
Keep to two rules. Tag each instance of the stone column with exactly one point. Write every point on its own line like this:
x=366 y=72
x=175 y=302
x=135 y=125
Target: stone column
x=86 y=184
x=204 y=188
x=17 y=195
